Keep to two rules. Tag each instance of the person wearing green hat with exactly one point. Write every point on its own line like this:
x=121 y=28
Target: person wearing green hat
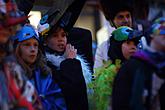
x=123 y=44
x=118 y=13
x=134 y=87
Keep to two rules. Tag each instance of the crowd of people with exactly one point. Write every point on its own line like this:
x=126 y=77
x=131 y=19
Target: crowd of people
x=41 y=70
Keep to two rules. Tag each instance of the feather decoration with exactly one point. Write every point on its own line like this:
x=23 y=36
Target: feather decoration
x=102 y=85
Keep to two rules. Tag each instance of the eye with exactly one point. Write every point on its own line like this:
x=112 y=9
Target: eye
x=36 y=45
x=128 y=15
x=63 y=34
x=26 y=44
x=55 y=35
x=128 y=42
x=120 y=16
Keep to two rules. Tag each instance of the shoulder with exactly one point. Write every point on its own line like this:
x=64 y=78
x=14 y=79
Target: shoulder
x=104 y=44
x=70 y=61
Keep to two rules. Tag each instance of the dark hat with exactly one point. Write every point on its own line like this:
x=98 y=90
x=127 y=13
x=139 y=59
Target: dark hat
x=25 y=5
x=9 y=14
x=111 y=7
x=64 y=14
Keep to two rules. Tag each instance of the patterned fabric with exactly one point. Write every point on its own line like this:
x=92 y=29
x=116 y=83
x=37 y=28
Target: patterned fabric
x=4 y=98
x=16 y=91
x=9 y=14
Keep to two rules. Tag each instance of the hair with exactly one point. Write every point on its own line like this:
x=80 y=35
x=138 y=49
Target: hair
x=115 y=50
x=111 y=7
x=54 y=30
x=51 y=32
x=40 y=62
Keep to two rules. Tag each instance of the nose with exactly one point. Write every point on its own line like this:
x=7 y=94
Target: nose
x=60 y=39
x=133 y=47
x=32 y=48
x=126 y=19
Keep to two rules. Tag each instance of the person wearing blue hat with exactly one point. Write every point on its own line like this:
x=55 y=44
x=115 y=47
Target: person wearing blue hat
x=28 y=53
x=134 y=86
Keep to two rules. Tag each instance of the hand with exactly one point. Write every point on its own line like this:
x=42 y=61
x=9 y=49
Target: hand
x=70 y=51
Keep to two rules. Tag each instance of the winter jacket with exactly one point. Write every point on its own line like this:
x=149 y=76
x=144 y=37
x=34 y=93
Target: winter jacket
x=132 y=89
x=68 y=74
x=48 y=91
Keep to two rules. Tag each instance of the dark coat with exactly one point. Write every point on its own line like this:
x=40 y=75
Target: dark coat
x=71 y=80
x=133 y=78
x=81 y=39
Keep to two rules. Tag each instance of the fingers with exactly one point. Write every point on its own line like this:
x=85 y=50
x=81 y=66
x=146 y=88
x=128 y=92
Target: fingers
x=71 y=52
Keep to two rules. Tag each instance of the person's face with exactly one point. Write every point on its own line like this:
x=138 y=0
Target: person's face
x=57 y=41
x=128 y=49
x=29 y=50
x=4 y=35
x=123 y=18
x=159 y=41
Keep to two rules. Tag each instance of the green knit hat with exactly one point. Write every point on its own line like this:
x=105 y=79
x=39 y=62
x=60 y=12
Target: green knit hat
x=125 y=33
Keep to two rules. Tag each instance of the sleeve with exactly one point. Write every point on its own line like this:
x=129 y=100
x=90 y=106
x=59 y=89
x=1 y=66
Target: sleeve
x=73 y=84
x=101 y=54
x=51 y=95
x=121 y=89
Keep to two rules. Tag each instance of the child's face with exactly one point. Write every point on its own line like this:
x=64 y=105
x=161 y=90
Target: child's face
x=57 y=41
x=29 y=50
x=128 y=49
x=4 y=35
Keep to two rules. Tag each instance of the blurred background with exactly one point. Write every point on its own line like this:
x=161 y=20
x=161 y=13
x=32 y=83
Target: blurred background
x=92 y=18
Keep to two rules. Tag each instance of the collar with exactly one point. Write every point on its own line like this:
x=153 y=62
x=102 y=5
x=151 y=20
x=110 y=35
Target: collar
x=51 y=51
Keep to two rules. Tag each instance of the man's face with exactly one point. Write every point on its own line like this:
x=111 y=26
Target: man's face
x=123 y=18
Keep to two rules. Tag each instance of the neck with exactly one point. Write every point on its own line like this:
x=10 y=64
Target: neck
x=51 y=51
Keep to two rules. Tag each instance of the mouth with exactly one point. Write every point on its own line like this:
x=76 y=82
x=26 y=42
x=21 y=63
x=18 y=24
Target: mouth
x=61 y=46
x=132 y=52
x=32 y=56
